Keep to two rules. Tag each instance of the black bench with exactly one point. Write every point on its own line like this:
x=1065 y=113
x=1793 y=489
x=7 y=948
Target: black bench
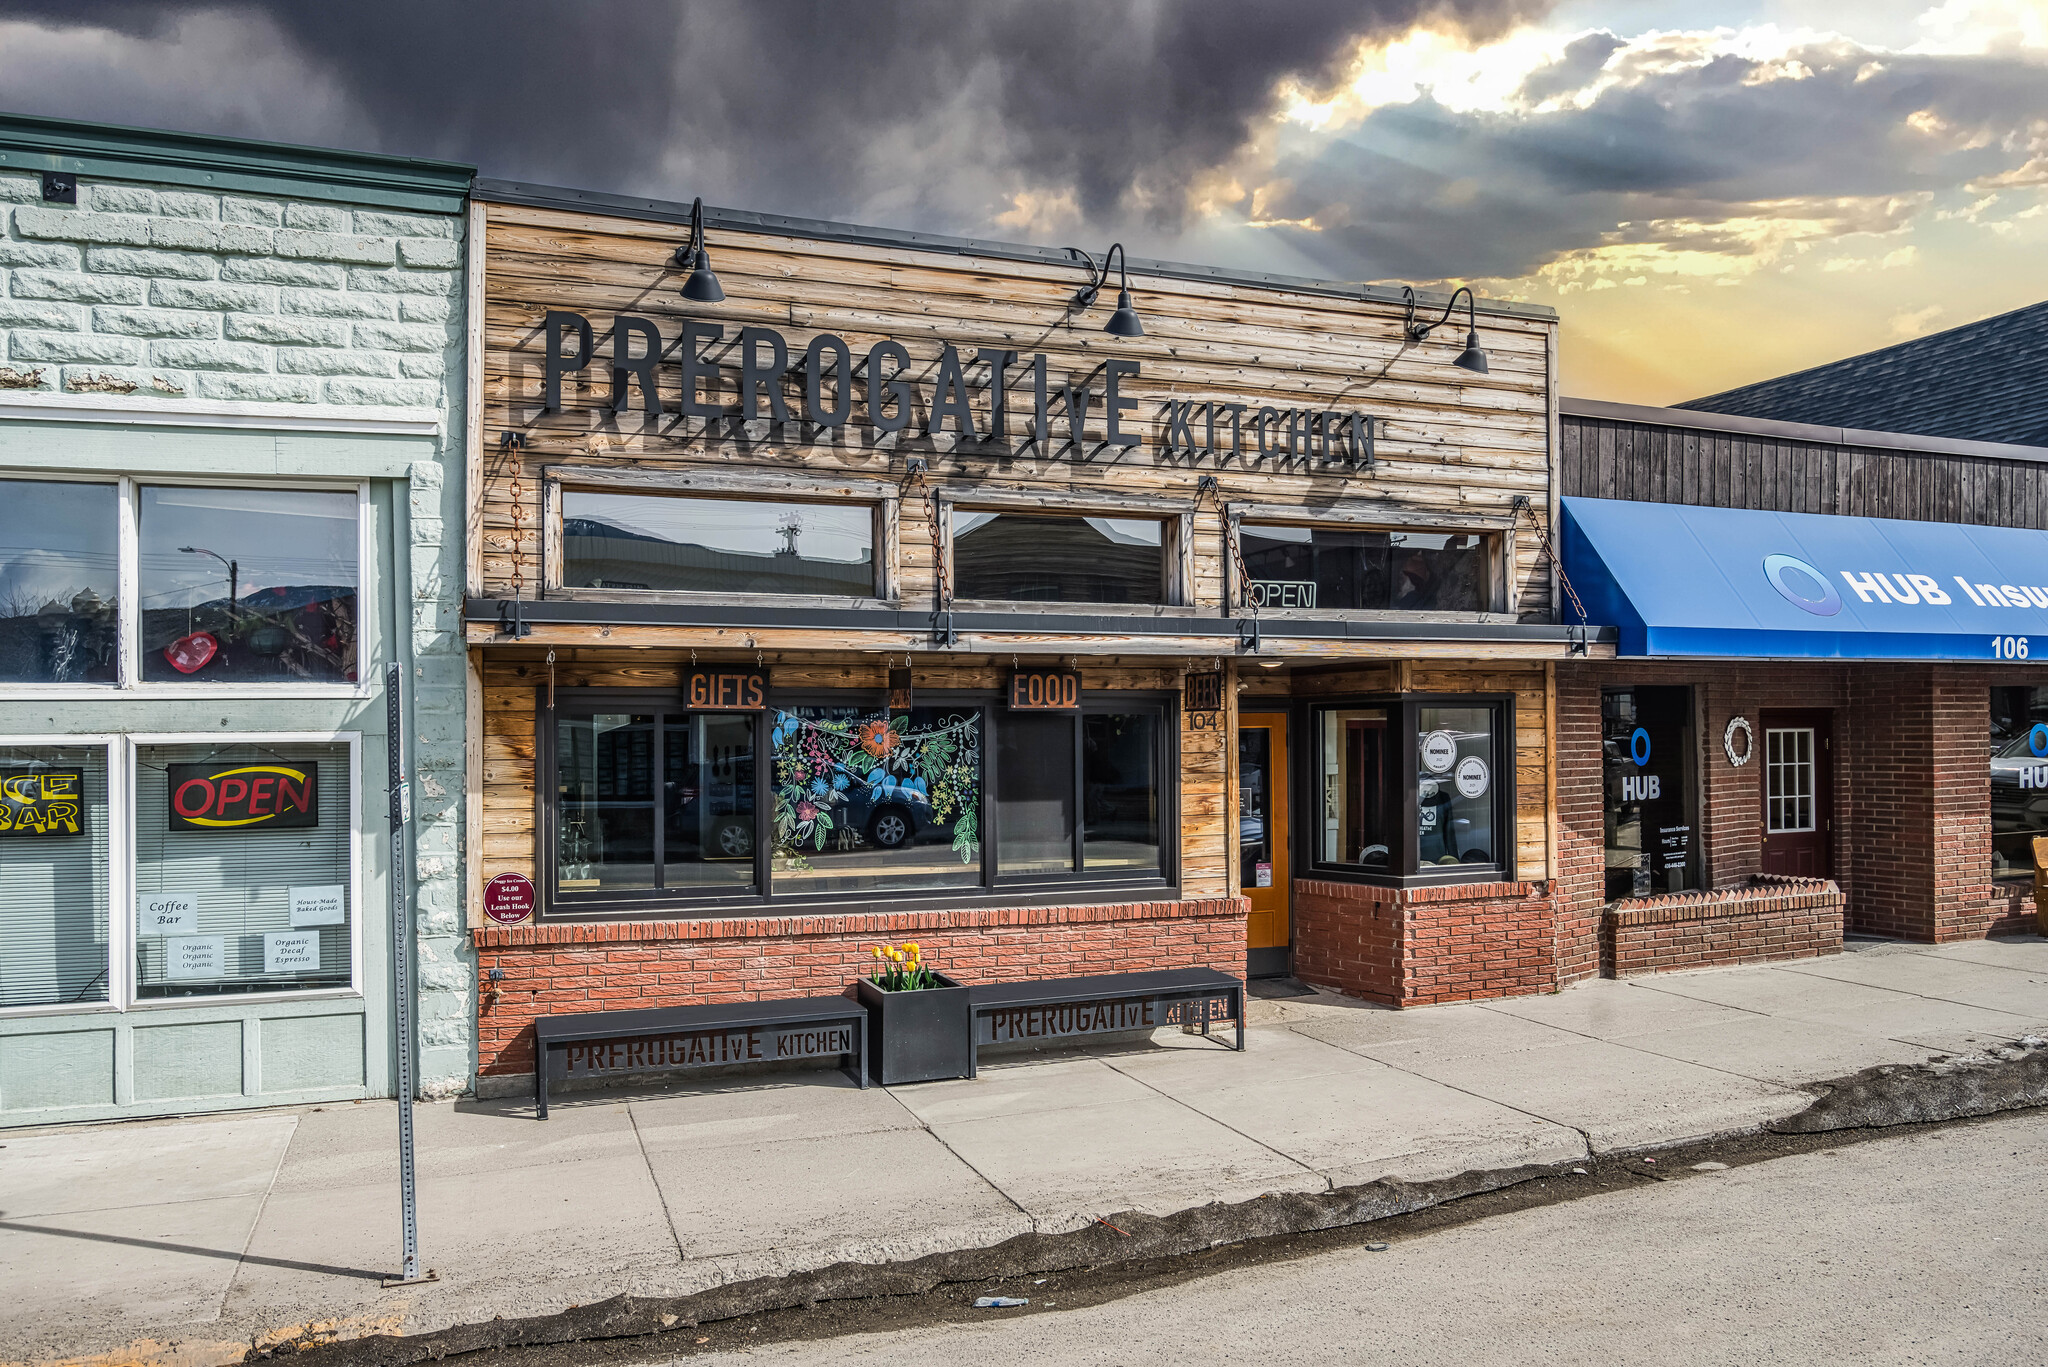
x=696 y=1036
x=1060 y=1008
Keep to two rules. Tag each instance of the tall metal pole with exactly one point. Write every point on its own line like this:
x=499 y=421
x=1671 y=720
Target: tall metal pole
x=401 y=973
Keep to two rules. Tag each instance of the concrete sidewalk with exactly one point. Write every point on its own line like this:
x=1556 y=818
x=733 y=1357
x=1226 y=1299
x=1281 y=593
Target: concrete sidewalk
x=189 y=1241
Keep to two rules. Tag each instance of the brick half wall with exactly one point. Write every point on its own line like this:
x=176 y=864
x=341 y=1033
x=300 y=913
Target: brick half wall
x=564 y=968
x=1772 y=919
x=1416 y=946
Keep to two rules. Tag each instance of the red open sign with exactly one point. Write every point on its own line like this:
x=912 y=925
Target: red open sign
x=213 y=797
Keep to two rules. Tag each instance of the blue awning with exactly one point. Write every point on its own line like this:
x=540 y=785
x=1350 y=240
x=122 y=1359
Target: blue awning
x=1689 y=581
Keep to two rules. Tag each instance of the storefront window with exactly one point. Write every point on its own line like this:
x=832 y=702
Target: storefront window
x=53 y=875
x=1350 y=569
x=243 y=878
x=1042 y=559
x=1455 y=771
x=1647 y=764
x=618 y=830
x=1452 y=782
x=248 y=585
x=1100 y=765
x=1356 y=829
x=869 y=802
x=59 y=582
x=716 y=545
x=2019 y=778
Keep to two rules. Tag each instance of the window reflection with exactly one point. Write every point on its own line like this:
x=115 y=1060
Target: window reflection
x=1059 y=559
x=248 y=585
x=1454 y=785
x=1343 y=569
x=59 y=582
x=1355 y=825
x=604 y=776
x=1120 y=789
x=716 y=545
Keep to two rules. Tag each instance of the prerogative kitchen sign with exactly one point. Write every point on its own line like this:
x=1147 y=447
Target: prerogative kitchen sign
x=882 y=391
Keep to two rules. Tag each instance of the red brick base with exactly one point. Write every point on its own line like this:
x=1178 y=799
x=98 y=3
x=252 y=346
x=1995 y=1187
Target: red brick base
x=1414 y=946
x=1766 y=920
x=568 y=967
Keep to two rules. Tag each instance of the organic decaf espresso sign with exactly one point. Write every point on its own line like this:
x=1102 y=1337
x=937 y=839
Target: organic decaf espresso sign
x=39 y=802
x=215 y=797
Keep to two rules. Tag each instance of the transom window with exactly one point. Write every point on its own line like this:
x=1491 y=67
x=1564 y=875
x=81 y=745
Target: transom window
x=230 y=584
x=676 y=543
x=1032 y=557
x=1353 y=569
x=1788 y=759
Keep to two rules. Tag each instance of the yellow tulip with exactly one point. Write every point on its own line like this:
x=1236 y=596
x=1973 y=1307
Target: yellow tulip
x=878 y=951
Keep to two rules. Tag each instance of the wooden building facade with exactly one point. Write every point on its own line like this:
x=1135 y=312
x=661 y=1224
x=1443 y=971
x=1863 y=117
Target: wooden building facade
x=886 y=596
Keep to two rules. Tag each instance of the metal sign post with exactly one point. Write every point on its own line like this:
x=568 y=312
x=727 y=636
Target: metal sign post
x=401 y=976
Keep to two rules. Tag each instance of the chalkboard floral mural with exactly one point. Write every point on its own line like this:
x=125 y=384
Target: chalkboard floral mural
x=832 y=773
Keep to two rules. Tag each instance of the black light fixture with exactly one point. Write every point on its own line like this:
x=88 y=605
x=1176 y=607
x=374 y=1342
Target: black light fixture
x=1124 y=321
x=702 y=287
x=1471 y=358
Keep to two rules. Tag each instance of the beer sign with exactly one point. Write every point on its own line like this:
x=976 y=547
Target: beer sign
x=35 y=802
x=213 y=797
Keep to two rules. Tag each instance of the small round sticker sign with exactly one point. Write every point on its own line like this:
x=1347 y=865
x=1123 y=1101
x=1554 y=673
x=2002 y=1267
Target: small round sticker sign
x=1472 y=777
x=508 y=898
x=1439 y=751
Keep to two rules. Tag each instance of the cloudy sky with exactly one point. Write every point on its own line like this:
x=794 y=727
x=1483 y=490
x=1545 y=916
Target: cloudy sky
x=1709 y=192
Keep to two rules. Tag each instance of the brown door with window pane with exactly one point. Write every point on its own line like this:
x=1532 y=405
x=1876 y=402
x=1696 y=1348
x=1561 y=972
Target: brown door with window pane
x=1797 y=771
x=1262 y=826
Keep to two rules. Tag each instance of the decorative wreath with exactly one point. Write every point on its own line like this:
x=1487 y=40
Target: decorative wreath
x=1748 y=741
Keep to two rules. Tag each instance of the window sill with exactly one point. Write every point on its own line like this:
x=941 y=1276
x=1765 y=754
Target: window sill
x=711 y=908
x=159 y=692
x=230 y=1000
x=8 y=1013
x=1450 y=878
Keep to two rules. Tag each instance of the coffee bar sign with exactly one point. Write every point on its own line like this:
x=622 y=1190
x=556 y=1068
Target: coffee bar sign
x=969 y=396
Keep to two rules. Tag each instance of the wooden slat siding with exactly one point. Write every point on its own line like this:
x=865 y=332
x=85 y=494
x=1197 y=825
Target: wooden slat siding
x=1732 y=470
x=1448 y=442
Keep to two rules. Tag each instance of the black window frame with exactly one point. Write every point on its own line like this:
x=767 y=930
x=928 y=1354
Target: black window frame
x=1400 y=793
x=761 y=897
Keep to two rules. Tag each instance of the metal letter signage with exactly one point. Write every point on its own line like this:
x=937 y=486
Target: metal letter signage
x=1201 y=698
x=1045 y=690
x=760 y=1044
x=725 y=690
x=210 y=797
x=37 y=802
x=1094 y=1018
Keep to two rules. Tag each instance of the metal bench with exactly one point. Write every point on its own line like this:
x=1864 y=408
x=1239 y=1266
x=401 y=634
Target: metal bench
x=697 y=1036
x=1059 y=1008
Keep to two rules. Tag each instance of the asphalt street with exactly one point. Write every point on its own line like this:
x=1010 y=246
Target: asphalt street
x=1928 y=1248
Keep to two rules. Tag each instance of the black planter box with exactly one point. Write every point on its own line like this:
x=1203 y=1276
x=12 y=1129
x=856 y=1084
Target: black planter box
x=918 y=1036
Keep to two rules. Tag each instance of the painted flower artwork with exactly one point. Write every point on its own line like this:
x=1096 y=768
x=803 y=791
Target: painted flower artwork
x=833 y=776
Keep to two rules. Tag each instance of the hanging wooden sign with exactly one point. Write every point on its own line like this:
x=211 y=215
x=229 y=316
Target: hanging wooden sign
x=1045 y=690
x=899 y=692
x=725 y=690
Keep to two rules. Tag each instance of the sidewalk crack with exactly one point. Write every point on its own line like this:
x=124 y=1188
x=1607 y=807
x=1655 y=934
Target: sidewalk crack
x=633 y=1117
x=1328 y=1185
x=262 y=1206
x=961 y=1159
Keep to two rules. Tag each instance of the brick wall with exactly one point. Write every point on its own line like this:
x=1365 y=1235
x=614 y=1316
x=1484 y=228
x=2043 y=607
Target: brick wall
x=1775 y=918
x=1416 y=946
x=163 y=293
x=569 y=967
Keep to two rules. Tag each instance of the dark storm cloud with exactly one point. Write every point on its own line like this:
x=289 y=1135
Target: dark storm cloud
x=936 y=109
x=1670 y=156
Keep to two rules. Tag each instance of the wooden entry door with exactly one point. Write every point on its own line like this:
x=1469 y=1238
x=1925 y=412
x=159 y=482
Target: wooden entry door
x=1262 y=832
x=1797 y=771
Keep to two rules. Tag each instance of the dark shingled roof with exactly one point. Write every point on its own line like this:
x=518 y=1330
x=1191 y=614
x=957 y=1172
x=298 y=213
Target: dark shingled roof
x=1984 y=381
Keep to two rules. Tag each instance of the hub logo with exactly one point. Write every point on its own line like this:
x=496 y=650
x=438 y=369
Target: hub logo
x=1802 y=585
x=1640 y=787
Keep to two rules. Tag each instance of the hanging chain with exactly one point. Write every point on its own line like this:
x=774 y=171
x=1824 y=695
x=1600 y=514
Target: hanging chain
x=1523 y=504
x=931 y=512
x=1244 y=575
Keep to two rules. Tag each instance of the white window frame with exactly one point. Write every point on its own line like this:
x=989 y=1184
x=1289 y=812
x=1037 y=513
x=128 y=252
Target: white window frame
x=129 y=594
x=354 y=740
x=119 y=866
x=1811 y=766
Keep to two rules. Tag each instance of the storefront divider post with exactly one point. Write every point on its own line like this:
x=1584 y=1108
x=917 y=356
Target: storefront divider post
x=400 y=793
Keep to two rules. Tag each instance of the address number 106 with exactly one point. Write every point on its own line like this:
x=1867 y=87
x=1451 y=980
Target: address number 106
x=2008 y=647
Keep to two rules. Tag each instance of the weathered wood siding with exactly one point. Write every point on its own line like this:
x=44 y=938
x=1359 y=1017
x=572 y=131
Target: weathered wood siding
x=1651 y=463
x=1449 y=444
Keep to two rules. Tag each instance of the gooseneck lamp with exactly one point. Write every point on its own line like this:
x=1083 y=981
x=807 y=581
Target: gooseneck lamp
x=1472 y=358
x=702 y=287
x=1124 y=321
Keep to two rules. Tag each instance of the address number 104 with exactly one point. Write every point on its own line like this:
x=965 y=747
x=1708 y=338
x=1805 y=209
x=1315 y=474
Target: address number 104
x=2008 y=647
